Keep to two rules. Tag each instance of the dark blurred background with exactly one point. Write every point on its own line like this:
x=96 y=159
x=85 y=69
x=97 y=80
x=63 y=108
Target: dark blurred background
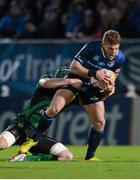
x=68 y=19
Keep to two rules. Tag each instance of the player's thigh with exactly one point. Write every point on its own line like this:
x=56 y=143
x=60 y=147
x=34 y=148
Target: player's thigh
x=48 y=145
x=96 y=113
x=61 y=98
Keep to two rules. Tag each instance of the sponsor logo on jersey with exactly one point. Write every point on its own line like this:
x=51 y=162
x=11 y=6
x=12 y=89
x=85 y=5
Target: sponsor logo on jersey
x=94 y=98
x=96 y=58
x=101 y=63
x=111 y=63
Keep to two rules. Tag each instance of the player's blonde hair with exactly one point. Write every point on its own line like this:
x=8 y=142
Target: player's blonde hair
x=111 y=37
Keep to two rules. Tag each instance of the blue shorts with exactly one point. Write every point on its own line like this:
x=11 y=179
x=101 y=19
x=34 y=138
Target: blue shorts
x=87 y=94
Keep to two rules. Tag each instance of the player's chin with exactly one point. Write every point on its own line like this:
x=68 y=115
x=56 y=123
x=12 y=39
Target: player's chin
x=111 y=57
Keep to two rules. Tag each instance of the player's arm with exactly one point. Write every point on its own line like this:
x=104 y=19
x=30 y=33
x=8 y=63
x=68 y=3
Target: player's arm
x=78 y=65
x=77 y=68
x=100 y=75
x=56 y=82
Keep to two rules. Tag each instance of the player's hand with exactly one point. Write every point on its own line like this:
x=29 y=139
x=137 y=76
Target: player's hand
x=108 y=88
x=110 y=85
x=76 y=83
x=103 y=79
x=113 y=91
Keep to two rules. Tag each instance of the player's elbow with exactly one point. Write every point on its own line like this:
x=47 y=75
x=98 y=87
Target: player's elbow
x=43 y=82
x=75 y=66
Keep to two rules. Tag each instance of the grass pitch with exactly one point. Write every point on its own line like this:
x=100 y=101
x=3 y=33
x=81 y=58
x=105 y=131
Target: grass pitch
x=119 y=162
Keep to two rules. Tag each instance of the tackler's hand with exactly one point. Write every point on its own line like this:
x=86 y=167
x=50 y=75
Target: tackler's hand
x=76 y=83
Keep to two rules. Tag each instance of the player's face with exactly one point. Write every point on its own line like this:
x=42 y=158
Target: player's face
x=111 y=50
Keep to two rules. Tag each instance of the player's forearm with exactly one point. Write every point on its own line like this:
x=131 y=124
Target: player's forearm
x=53 y=83
x=78 y=69
x=56 y=82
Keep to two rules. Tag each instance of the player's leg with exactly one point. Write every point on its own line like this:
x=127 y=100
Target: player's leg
x=24 y=148
x=47 y=145
x=8 y=137
x=96 y=114
x=28 y=140
x=46 y=149
x=61 y=98
x=57 y=152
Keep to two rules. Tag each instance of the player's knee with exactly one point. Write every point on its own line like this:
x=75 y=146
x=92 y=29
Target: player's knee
x=100 y=124
x=53 y=111
x=6 y=140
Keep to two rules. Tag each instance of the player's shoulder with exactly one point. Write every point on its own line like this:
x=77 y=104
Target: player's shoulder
x=62 y=71
x=121 y=56
x=93 y=45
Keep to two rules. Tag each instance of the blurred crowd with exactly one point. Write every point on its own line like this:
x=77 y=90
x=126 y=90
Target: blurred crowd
x=68 y=19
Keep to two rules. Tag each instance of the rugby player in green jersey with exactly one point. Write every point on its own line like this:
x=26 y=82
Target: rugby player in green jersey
x=24 y=126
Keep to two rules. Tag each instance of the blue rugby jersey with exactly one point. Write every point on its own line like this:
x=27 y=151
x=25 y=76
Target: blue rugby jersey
x=92 y=57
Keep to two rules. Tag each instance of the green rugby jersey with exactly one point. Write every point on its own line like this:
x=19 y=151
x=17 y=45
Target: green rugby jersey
x=39 y=102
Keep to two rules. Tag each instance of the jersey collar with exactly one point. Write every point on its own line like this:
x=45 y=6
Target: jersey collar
x=103 y=52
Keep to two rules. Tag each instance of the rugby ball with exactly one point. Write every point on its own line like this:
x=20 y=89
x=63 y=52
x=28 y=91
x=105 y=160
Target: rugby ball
x=110 y=74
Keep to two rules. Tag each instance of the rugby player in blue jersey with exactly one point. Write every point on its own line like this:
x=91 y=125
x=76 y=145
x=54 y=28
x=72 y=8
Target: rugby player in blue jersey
x=91 y=64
